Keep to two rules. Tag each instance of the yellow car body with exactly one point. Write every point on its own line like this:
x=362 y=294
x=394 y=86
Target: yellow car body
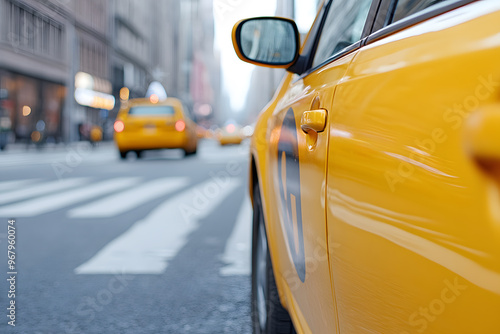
x=232 y=136
x=225 y=139
x=388 y=220
x=145 y=125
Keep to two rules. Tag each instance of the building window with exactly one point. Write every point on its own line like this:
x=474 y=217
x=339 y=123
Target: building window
x=28 y=30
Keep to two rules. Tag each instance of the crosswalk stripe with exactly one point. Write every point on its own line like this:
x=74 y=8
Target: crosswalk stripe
x=34 y=159
x=237 y=253
x=50 y=203
x=129 y=200
x=8 y=185
x=147 y=246
x=83 y=157
x=39 y=189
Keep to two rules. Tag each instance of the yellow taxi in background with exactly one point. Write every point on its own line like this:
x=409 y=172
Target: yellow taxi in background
x=375 y=169
x=150 y=124
x=231 y=134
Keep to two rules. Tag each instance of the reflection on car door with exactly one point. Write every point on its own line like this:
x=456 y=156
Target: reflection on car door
x=414 y=217
x=298 y=163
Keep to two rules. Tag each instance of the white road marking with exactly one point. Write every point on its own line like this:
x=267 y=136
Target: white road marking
x=237 y=254
x=15 y=161
x=32 y=159
x=8 y=185
x=149 y=244
x=50 y=203
x=40 y=189
x=130 y=199
x=82 y=156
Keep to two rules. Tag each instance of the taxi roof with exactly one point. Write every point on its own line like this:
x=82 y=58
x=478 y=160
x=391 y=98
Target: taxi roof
x=171 y=101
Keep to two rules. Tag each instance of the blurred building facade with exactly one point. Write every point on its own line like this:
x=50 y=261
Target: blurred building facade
x=132 y=43
x=89 y=79
x=34 y=66
x=63 y=63
x=204 y=74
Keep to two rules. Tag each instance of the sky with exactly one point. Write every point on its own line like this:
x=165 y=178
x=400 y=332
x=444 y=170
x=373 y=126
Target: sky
x=306 y=10
x=236 y=74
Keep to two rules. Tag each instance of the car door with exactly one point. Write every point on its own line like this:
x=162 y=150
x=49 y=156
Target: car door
x=298 y=160
x=413 y=205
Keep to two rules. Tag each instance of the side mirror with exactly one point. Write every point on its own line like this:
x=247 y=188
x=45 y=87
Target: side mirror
x=267 y=41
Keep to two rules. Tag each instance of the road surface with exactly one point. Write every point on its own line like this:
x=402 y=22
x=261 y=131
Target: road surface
x=156 y=245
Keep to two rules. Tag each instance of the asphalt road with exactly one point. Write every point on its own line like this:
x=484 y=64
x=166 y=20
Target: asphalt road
x=156 y=245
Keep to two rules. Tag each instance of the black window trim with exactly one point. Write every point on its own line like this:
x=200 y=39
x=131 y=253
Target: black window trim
x=382 y=28
x=370 y=20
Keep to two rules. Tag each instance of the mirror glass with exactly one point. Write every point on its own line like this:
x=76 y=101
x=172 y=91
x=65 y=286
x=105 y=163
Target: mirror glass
x=269 y=41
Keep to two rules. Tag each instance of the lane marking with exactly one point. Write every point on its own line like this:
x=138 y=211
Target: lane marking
x=237 y=254
x=129 y=200
x=150 y=243
x=8 y=185
x=40 y=189
x=50 y=203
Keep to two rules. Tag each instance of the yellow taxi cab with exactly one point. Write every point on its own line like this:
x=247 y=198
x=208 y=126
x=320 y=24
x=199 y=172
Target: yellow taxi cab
x=150 y=124
x=202 y=133
x=230 y=134
x=375 y=169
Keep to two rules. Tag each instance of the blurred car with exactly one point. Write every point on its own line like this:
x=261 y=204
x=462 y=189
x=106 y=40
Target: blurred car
x=202 y=133
x=150 y=124
x=375 y=169
x=230 y=134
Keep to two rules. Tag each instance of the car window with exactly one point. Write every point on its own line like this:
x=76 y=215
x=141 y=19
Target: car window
x=405 y=8
x=151 y=110
x=343 y=26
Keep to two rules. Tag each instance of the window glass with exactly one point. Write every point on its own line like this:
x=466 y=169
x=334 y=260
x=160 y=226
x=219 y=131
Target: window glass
x=406 y=8
x=343 y=26
x=151 y=110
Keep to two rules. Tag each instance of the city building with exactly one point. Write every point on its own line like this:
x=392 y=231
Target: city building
x=89 y=86
x=172 y=43
x=65 y=65
x=34 y=65
x=132 y=42
x=198 y=73
x=54 y=66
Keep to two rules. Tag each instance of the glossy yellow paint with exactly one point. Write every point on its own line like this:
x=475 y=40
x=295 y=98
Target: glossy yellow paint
x=414 y=217
x=311 y=302
x=313 y=121
x=400 y=194
x=481 y=135
x=155 y=131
